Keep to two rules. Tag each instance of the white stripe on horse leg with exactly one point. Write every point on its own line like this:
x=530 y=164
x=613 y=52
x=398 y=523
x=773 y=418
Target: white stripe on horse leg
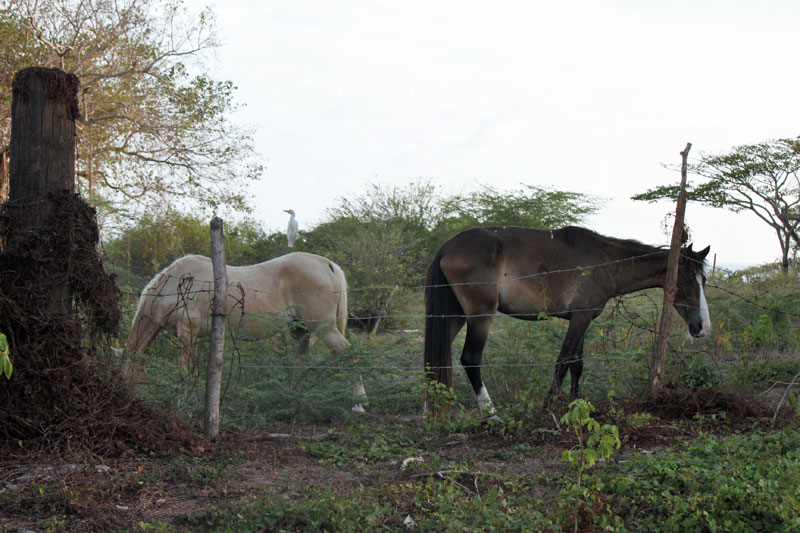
x=705 y=316
x=359 y=393
x=485 y=403
x=358 y=389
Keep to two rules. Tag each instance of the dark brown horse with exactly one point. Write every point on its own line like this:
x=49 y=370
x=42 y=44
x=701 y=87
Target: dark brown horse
x=568 y=273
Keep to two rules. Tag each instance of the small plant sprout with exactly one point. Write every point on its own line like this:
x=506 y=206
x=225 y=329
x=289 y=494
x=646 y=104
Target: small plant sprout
x=594 y=441
x=5 y=361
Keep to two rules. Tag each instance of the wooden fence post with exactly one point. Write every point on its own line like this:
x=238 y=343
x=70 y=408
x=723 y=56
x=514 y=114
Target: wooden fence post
x=44 y=107
x=217 y=341
x=670 y=283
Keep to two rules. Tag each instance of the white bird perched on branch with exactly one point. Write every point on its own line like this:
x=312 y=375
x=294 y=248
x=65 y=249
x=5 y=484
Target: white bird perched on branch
x=291 y=230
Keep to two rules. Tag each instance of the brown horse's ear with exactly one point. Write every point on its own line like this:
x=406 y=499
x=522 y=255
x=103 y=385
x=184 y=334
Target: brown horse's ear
x=701 y=255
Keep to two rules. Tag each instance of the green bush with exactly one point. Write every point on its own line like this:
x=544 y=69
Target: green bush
x=698 y=373
x=734 y=483
x=760 y=334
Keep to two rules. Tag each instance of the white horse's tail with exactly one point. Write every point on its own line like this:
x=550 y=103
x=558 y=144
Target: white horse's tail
x=341 y=308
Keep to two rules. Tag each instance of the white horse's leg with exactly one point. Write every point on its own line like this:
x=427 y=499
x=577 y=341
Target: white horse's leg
x=184 y=332
x=336 y=342
x=359 y=394
x=300 y=334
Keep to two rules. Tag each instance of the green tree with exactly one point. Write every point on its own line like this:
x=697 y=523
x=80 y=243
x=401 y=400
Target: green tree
x=380 y=239
x=529 y=206
x=154 y=124
x=155 y=241
x=760 y=178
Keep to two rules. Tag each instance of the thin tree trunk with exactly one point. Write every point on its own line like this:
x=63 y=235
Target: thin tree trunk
x=385 y=309
x=670 y=287
x=785 y=259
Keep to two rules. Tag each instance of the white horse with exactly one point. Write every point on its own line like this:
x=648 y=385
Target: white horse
x=308 y=289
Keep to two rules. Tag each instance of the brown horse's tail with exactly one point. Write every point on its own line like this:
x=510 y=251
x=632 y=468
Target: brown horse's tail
x=442 y=314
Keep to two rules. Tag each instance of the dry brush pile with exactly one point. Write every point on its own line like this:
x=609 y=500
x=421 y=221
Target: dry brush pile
x=57 y=398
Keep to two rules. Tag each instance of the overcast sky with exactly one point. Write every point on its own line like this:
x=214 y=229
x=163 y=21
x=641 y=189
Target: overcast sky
x=590 y=96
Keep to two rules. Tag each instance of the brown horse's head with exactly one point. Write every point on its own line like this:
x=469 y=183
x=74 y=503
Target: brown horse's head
x=690 y=301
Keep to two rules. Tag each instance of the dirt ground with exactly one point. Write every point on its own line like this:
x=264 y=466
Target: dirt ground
x=91 y=495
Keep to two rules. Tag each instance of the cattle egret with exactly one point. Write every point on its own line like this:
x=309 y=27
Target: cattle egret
x=291 y=230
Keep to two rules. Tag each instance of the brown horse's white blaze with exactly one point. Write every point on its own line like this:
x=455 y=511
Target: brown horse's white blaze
x=567 y=273
x=307 y=289
x=705 y=316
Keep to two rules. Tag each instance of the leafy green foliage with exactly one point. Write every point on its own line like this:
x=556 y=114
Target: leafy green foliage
x=156 y=240
x=432 y=505
x=735 y=483
x=594 y=441
x=379 y=239
x=359 y=445
x=698 y=373
x=740 y=482
x=5 y=362
x=760 y=334
x=529 y=206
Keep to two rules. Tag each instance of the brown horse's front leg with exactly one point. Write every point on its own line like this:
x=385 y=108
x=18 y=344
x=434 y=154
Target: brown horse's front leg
x=474 y=343
x=570 y=358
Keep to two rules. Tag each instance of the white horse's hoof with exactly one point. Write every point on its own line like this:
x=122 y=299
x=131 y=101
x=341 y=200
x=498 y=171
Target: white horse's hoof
x=358 y=409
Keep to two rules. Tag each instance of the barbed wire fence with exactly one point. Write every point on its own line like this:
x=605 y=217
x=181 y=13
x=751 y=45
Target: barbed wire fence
x=265 y=380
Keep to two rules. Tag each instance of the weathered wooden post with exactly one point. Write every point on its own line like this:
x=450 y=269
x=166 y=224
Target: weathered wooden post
x=217 y=340
x=670 y=284
x=44 y=107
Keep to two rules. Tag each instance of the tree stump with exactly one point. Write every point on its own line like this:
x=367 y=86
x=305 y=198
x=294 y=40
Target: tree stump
x=44 y=107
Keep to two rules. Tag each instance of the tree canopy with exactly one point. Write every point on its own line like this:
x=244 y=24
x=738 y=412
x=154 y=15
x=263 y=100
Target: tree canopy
x=762 y=178
x=155 y=126
x=529 y=206
x=381 y=241
x=156 y=240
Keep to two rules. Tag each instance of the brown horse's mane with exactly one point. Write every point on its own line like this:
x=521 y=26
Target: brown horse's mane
x=576 y=236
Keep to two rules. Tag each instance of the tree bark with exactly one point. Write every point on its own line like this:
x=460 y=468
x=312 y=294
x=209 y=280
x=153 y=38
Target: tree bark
x=44 y=107
x=43 y=112
x=217 y=340
x=670 y=283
